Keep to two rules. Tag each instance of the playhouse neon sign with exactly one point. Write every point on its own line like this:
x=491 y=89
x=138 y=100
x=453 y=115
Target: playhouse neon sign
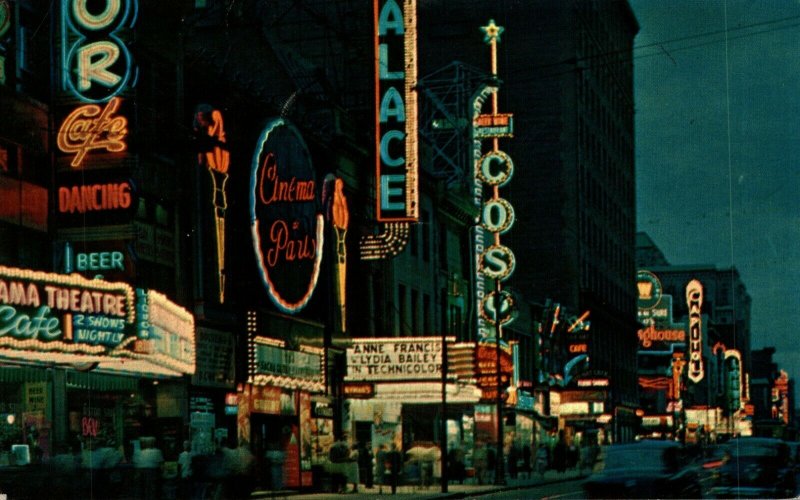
x=97 y=63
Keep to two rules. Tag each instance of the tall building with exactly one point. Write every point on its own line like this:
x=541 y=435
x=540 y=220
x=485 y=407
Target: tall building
x=566 y=75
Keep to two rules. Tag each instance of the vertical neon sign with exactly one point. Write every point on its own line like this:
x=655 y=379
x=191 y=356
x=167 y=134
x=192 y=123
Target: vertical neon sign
x=495 y=169
x=694 y=301
x=216 y=158
x=396 y=147
x=97 y=64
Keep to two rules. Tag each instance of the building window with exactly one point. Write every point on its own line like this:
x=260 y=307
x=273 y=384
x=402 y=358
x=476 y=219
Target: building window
x=414 y=312
x=426 y=236
x=401 y=310
x=426 y=313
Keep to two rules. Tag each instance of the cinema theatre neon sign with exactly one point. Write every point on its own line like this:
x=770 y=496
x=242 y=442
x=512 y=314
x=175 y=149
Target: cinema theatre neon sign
x=694 y=302
x=97 y=63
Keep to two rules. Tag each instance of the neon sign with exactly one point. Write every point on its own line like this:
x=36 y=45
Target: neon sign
x=649 y=288
x=396 y=111
x=650 y=334
x=92 y=127
x=495 y=169
x=694 y=301
x=216 y=158
x=287 y=230
x=396 y=158
x=94 y=197
x=67 y=313
x=97 y=63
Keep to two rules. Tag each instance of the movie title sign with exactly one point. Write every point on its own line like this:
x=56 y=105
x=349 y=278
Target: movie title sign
x=396 y=111
x=395 y=359
x=69 y=313
x=272 y=360
x=97 y=64
x=286 y=225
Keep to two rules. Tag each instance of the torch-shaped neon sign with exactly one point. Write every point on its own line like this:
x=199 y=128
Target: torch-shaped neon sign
x=216 y=158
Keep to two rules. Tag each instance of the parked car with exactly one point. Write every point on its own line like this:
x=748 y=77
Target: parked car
x=755 y=468
x=646 y=469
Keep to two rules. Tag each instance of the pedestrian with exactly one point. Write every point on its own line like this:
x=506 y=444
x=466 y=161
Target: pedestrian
x=239 y=466
x=541 y=459
x=491 y=462
x=395 y=461
x=513 y=459
x=479 y=459
x=585 y=459
x=365 y=465
x=185 y=471
x=560 y=454
x=381 y=459
x=148 y=461
x=526 y=459
x=352 y=468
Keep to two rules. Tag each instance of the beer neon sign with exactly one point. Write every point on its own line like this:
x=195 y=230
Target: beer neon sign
x=694 y=301
x=287 y=230
x=97 y=63
x=92 y=127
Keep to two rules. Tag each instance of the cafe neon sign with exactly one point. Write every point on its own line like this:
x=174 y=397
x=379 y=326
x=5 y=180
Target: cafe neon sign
x=91 y=127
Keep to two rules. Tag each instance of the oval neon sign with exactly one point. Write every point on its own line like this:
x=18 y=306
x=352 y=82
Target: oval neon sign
x=285 y=222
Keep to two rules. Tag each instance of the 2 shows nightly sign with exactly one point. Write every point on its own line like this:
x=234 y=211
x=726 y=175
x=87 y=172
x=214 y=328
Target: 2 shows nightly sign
x=66 y=318
x=285 y=222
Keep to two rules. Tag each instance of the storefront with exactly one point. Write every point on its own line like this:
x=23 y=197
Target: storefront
x=82 y=362
x=282 y=411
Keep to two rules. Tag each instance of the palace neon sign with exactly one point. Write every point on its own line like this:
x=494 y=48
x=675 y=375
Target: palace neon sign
x=97 y=63
x=287 y=230
x=91 y=127
x=694 y=301
x=396 y=111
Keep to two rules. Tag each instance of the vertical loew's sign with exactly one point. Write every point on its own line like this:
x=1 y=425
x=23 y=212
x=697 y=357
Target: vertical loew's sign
x=396 y=161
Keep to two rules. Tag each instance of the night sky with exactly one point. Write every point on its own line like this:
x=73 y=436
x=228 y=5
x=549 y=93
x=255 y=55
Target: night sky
x=717 y=147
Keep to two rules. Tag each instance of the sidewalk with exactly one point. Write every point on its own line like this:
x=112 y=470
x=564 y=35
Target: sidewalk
x=434 y=491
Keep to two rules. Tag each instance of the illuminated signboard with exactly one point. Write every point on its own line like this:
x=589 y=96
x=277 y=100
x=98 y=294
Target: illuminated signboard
x=647 y=336
x=338 y=214
x=650 y=290
x=97 y=64
x=85 y=198
x=495 y=169
x=286 y=227
x=208 y=122
x=42 y=311
x=91 y=127
x=165 y=332
x=734 y=382
x=396 y=111
x=271 y=360
x=395 y=359
x=694 y=302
